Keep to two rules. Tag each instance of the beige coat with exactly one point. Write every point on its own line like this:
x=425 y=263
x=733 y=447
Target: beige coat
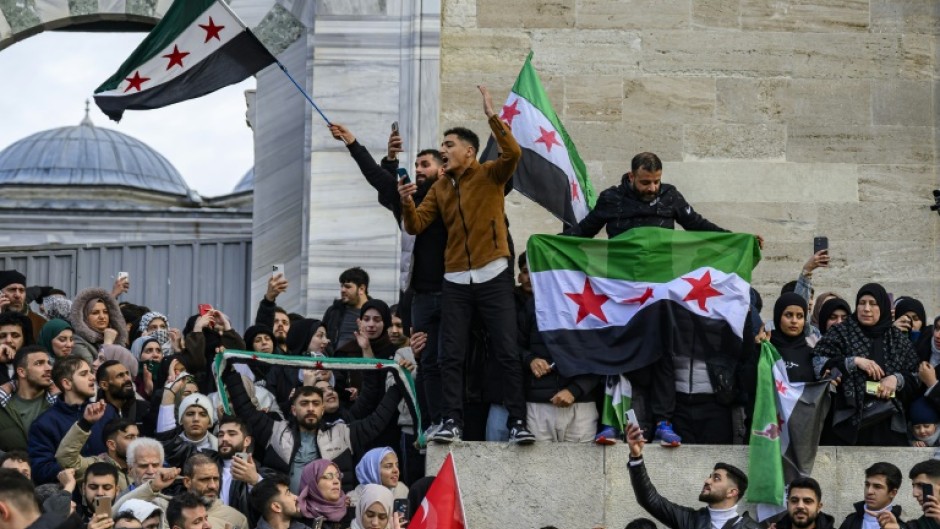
x=69 y=455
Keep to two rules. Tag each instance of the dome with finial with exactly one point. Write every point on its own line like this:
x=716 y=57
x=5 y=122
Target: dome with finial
x=87 y=155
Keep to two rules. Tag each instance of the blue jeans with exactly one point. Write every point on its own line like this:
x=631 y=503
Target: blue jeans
x=426 y=318
x=496 y=429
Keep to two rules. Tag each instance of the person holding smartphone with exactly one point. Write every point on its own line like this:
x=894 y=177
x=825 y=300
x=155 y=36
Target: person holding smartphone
x=925 y=482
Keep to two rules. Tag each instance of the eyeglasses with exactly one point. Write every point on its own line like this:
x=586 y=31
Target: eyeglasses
x=331 y=476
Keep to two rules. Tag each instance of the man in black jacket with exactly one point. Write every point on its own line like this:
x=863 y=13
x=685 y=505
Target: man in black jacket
x=340 y=318
x=422 y=261
x=722 y=491
x=882 y=481
x=804 y=508
x=923 y=475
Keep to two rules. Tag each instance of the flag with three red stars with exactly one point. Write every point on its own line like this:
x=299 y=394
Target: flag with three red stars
x=613 y=306
x=198 y=47
x=550 y=172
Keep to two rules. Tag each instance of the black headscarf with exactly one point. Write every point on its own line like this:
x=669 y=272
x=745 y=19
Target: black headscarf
x=777 y=336
x=300 y=334
x=883 y=324
x=829 y=307
x=908 y=304
x=794 y=350
x=254 y=331
x=383 y=310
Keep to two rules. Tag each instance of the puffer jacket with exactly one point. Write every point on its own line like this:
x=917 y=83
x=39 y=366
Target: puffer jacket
x=677 y=516
x=620 y=209
x=46 y=434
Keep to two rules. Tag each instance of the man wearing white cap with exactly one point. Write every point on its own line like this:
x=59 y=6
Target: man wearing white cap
x=148 y=514
x=186 y=432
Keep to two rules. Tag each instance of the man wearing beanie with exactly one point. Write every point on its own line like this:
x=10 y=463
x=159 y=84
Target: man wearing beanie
x=187 y=431
x=13 y=298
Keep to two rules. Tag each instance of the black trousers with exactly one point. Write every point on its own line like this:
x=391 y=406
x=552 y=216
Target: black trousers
x=656 y=384
x=494 y=302
x=426 y=317
x=701 y=419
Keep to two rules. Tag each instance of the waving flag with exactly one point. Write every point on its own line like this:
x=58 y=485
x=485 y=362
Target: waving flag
x=442 y=507
x=608 y=307
x=198 y=47
x=550 y=172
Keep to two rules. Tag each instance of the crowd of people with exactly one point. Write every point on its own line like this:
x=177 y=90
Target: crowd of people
x=111 y=412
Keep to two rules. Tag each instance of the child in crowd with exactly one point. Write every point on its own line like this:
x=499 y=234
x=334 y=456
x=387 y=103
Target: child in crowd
x=924 y=419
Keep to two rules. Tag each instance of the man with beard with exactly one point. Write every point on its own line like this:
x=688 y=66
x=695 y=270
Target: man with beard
x=804 y=508
x=14 y=334
x=292 y=443
x=145 y=461
x=877 y=511
x=926 y=473
x=118 y=434
x=116 y=387
x=276 y=504
x=31 y=397
x=272 y=316
x=239 y=472
x=13 y=299
x=722 y=491
x=74 y=378
x=100 y=482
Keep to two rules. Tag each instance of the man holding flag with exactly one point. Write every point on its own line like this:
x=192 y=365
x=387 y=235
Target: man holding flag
x=721 y=492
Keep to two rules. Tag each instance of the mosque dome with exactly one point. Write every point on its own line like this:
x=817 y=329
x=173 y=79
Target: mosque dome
x=86 y=155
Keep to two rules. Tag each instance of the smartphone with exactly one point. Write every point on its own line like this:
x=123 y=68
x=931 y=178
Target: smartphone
x=103 y=505
x=242 y=455
x=394 y=127
x=820 y=244
x=401 y=506
x=927 y=489
x=123 y=275
x=205 y=308
x=631 y=417
x=318 y=523
x=277 y=269
x=403 y=176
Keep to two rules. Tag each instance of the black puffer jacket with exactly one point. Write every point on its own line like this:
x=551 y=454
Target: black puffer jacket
x=676 y=516
x=620 y=209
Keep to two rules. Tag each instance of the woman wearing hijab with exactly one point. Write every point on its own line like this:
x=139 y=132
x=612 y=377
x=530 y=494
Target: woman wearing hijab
x=814 y=329
x=789 y=340
x=379 y=466
x=867 y=348
x=375 y=509
x=57 y=337
x=93 y=312
x=832 y=313
x=910 y=317
x=928 y=350
x=203 y=336
x=321 y=494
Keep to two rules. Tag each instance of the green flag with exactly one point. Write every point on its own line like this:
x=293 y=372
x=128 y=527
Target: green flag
x=765 y=465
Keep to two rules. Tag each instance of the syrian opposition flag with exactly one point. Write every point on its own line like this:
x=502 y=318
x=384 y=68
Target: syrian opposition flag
x=608 y=307
x=198 y=47
x=618 y=397
x=550 y=173
x=785 y=429
x=442 y=507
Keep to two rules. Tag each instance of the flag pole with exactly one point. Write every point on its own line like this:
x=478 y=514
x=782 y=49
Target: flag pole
x=276 y=61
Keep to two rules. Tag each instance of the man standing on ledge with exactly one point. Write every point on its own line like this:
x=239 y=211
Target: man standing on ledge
x=722 y=491
x=477 y=270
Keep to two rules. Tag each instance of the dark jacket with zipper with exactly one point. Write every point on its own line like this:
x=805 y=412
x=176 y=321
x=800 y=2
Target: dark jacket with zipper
x=428 y=258
x=472 y=206
x=783 y=521
x=676 y=516
x=620 y=209
x=854 y=520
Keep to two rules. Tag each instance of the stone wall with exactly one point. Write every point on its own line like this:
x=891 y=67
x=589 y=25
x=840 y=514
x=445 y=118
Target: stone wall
x=577 y=486
x=786 y=118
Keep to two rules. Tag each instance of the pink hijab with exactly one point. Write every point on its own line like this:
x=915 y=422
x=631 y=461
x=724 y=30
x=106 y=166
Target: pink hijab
x=312 y=503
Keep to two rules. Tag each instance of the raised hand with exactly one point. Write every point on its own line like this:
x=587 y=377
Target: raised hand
x=277 y=285
x=487 y=101
x=95 y=411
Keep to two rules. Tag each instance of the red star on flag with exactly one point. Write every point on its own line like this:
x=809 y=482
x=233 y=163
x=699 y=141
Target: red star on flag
x=510 y=112
x=641 y=299
x=548 y=138
x=589 y=302
x=574 y=190
x=212 y=31
x=781 y=387
x=701 y=290
x=136 y=82
x=176 y=58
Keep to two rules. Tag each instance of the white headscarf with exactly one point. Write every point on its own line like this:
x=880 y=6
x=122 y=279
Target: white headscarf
x=373 y=494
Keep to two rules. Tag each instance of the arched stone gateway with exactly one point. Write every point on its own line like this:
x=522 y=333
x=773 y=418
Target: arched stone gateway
x=366 y=62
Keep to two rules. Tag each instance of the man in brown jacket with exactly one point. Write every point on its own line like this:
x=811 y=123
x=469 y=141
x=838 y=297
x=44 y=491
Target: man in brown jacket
x=477 y=270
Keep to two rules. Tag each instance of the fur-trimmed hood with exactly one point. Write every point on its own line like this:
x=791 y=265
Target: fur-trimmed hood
x=80 y=326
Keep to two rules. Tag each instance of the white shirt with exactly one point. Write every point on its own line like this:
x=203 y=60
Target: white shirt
x=479 y=275
x=721 y=516
x=226 y=480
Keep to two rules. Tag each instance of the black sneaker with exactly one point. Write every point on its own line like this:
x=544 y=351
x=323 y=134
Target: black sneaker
x=519 y=435
x=448 y=433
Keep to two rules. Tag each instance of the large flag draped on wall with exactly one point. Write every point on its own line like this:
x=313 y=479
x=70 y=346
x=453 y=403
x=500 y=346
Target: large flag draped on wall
x=613 y=306
x=785 y=430
x=198 y=47
x=550 y=173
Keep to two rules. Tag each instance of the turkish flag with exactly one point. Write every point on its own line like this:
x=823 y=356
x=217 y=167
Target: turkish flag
x=441 y=507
